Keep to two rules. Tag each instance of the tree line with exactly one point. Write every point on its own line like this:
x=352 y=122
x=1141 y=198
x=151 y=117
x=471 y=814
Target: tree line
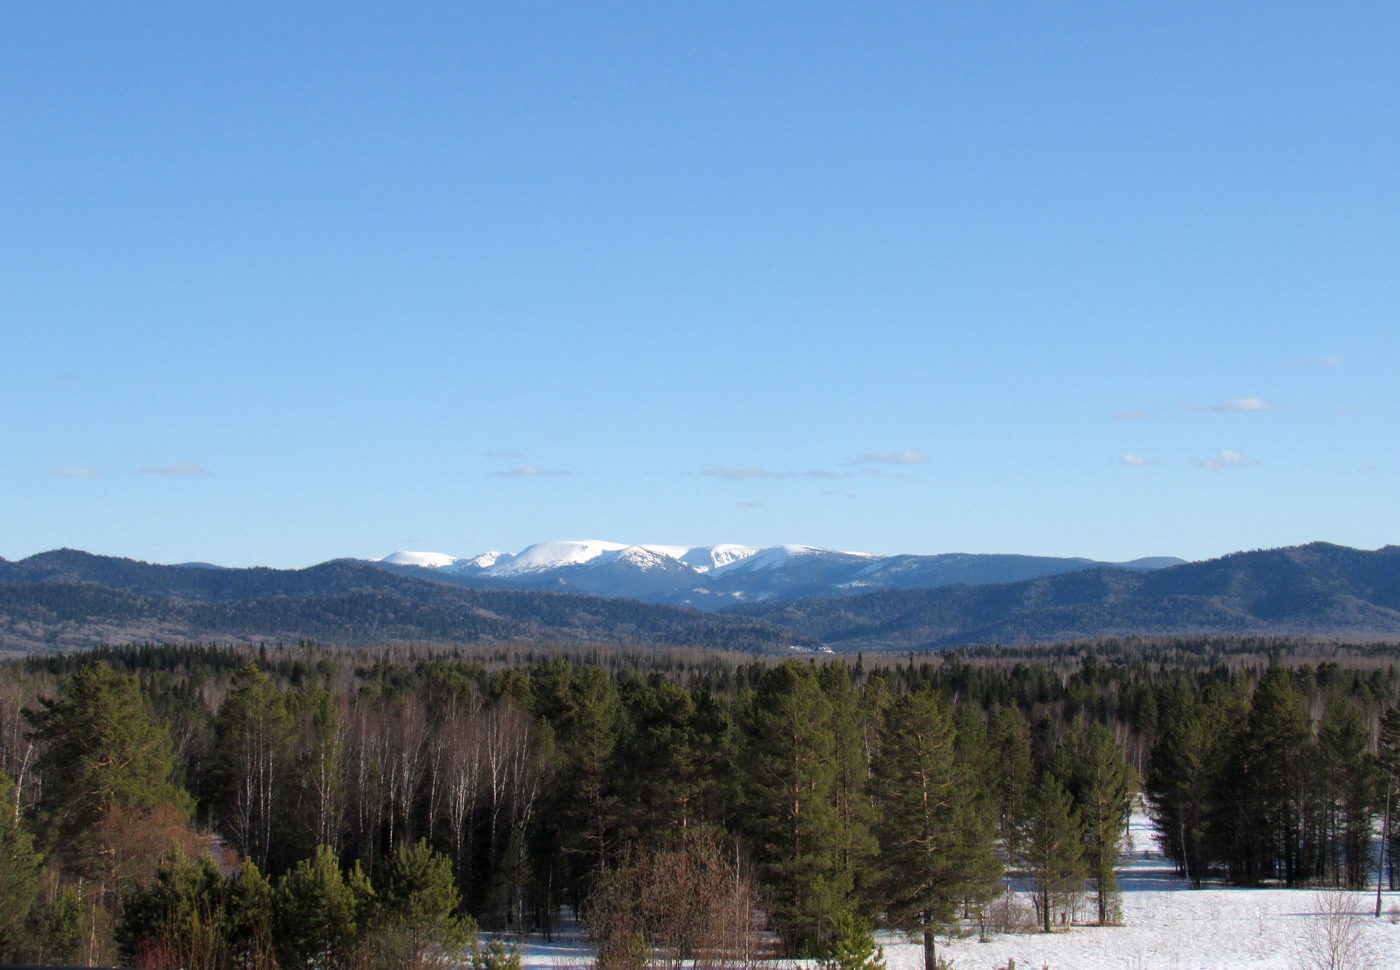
x=259 y=808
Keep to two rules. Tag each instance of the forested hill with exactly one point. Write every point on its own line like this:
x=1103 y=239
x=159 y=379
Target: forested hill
x=67 y=599
x=1314 y=590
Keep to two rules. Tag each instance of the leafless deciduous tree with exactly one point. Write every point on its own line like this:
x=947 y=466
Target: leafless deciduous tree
x=1333 y=939
x=692 y=903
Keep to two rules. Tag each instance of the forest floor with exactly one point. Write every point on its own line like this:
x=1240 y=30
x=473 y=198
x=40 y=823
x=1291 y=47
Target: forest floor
x=1166 y=926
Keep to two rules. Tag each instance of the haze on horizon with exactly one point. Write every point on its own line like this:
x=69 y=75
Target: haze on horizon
x=287 y=283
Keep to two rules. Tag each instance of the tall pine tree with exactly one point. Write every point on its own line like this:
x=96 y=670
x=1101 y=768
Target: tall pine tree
x=935 y=843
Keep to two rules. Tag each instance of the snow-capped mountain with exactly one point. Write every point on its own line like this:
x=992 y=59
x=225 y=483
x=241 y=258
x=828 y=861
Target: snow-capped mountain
x=720 y=575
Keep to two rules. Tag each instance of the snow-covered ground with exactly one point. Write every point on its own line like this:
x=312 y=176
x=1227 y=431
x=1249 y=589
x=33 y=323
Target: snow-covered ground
x=1169 y=926
x=1166 y=926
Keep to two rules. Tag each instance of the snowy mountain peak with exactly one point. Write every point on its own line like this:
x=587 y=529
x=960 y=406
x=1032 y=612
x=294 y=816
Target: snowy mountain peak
x=426 y=560
x=551 y=555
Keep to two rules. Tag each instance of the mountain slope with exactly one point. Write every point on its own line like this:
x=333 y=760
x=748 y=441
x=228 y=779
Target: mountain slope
x=1314 y=590
x=713 y=577
x=68 y=599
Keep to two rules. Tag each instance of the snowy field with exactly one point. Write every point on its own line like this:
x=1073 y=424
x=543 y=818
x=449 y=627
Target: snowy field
x=1166 y=926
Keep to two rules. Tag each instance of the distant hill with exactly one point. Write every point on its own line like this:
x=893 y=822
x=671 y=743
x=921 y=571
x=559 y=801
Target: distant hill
x=67 y=599
x=714 y=577
x=1314 y=590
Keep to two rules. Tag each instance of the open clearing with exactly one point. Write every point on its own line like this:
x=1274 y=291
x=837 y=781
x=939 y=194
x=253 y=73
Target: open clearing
x=1166 y=926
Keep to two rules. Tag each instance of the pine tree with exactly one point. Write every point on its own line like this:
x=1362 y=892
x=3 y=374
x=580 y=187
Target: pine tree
x=935 y=845
x=791 y=806
x=1279 y=752
x=1052 y=848
x=1011 y=777
x=252 y=744
x=1345 y=794
x=1104 y=787
x=101 y=748
x=418 y=903
x=853 y=809
x=322 y=916
x=1388 y=768
x=19 y=875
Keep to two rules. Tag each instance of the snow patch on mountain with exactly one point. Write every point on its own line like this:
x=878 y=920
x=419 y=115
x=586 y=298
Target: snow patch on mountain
x=426 y=560
x=703 y=559
x=551 y=555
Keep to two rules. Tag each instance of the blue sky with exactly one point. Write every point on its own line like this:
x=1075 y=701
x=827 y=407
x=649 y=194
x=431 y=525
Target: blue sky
x=285 y=282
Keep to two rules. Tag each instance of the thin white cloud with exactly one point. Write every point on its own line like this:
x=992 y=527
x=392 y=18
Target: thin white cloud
x=1136 y=461
x=530 y=471
x=519 y=456
x=1131 y=415
x=909 y=456
x=191 y=470
x=1243 y=405
x=1225 y=459
x=1330 y=360
x=74 y=471
x=751 y=505
x=738 y=474
x=751 y=472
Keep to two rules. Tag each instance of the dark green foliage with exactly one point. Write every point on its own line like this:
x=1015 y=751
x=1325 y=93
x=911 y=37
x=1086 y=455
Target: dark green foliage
x=851 y=945
x=935 y=838
x=790 y=805
x=322 y=916
x=1052 y=851
x=19 y=876
x=1277 y=751
x=74 y=599
x=1104 y=787
x=417 y=904
x=102 y=749
x=250 y=761
x=532 y=774
x=179 y=921
x=1345 y=789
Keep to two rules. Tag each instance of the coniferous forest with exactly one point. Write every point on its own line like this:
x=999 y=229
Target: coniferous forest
x=269 y=807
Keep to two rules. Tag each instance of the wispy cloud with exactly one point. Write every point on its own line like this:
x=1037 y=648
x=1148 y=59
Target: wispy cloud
x=529 y=471
x=751 y=505
x=74 y=471
x=737 y=474
x=1131 y=415
x=1136 y=461
x=1225 y=459
x=835 y=494
x=519 y=456
x=1243 y=405
x=1330 y=360
x=191 y=470
x=751 y=472
x=908 y=457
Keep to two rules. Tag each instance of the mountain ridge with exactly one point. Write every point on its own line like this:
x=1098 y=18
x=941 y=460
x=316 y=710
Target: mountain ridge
x=716 y=576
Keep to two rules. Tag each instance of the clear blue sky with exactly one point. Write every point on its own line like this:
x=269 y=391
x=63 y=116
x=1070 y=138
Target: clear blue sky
x=281 y=282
